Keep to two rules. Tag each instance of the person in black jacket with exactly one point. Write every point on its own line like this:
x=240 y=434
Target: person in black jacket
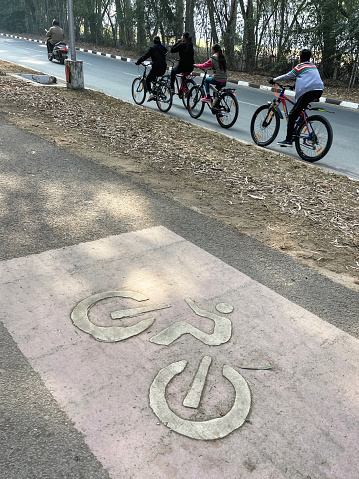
x=157 y=53
x=184 y=47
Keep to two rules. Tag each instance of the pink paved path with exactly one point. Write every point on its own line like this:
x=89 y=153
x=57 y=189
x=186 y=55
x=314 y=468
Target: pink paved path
x=304 y=414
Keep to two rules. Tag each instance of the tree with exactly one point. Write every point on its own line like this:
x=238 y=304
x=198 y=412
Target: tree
x=229 y=34
x=249 y=44
x=189 y=19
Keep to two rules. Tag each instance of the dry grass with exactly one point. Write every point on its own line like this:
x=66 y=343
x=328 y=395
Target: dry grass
x=306 y=212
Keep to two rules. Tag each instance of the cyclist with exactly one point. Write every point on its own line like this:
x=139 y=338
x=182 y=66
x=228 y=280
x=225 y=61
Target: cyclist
x=184 y=47
x=54 y=35
x=219 y=66
x=308 y=87
x=157 y=53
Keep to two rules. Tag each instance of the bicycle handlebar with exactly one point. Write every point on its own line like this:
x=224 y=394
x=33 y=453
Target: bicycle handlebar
x=283 y=87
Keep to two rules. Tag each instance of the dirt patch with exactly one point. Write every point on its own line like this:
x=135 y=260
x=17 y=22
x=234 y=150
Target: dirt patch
x=297 y=208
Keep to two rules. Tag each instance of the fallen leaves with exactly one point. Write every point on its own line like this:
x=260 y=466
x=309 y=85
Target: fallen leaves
x=268 y=196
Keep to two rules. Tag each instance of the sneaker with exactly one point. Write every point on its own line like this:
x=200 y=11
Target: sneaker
x=151 y=97
x=285 y=143
x=206 y=100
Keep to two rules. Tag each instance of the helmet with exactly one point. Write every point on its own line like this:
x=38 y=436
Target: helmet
x=55 y=22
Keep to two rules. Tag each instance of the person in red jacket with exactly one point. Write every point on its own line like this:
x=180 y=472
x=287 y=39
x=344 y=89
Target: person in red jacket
x=219 y=66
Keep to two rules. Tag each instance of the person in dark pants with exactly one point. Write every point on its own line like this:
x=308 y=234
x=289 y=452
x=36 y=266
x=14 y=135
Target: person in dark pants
x=308 y=87
x=54 y=35
x=157 y=53
x=184 y=47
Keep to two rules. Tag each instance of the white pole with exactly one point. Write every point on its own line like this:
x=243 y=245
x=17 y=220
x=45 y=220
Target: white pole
x=72 y=29
x=75 y=68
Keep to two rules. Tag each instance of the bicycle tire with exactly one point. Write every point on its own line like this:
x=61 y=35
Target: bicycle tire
x=195 y=106
x=228 y=109
x=264 y=125
x=315 y=148
x=187 y=86
x=164 y=96
x=138 y=91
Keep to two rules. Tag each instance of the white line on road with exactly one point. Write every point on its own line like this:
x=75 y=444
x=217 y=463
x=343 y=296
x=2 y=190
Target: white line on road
x=245 y=103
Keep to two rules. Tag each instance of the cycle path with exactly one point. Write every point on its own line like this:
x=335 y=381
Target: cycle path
x=170 y=361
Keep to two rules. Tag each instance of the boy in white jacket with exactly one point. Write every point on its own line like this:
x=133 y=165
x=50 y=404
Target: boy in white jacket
x=308 y=87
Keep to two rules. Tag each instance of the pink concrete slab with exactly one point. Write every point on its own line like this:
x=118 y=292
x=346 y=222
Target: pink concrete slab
x=304 y=418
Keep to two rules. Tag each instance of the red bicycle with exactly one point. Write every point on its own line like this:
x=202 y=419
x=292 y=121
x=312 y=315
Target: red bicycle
x=313 y=135
x=183 y=83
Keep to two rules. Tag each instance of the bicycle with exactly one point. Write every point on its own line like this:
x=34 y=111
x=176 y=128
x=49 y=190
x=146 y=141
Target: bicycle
x=223 y=104
x=183 y=83
x=313 y=135
x=161 y=90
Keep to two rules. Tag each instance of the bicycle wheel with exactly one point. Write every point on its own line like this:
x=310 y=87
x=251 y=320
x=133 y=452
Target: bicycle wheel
x=187 y=86
x=138 y=91
x=164 y=96
x=264 y=125
x=194 y=104
x=228 y=109
x=313 y=143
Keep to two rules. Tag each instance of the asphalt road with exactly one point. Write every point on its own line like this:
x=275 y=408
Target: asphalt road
x=114 y=77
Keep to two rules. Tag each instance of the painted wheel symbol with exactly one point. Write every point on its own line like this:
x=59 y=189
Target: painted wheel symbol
x=111 y=334
x=205 y=430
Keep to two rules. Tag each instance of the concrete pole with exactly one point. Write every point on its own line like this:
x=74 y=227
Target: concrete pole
x=74 y=72
x=70 y=4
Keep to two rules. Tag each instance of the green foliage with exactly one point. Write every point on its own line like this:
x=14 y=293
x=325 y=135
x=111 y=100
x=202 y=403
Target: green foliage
x=13 y=16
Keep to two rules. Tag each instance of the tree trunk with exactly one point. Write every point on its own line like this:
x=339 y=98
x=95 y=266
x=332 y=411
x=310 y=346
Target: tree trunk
x=330 y=12
x=212 y=21
x=249 y=43
x=178 y=26
x=354 y=72
x=140 y=21
x=229 y=35
x=189 y=20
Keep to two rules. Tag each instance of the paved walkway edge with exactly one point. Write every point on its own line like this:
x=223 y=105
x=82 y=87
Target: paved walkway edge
x=344 y=104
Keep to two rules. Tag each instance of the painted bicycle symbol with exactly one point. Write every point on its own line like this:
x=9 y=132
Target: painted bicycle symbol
x=222 y=330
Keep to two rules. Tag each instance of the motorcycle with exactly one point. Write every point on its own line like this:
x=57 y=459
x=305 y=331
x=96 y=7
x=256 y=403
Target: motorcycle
x=60 y=53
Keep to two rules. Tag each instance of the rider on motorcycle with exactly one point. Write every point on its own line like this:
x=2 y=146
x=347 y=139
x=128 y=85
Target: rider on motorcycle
x=54 y=35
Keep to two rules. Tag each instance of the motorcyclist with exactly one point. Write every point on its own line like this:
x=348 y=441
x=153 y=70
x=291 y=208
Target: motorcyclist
x=54 y=35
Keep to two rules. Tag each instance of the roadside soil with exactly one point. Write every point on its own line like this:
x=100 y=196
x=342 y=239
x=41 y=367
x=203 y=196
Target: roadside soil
x=297 y=208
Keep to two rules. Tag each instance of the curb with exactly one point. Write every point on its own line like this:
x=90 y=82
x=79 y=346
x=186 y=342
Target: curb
x=344 y=104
